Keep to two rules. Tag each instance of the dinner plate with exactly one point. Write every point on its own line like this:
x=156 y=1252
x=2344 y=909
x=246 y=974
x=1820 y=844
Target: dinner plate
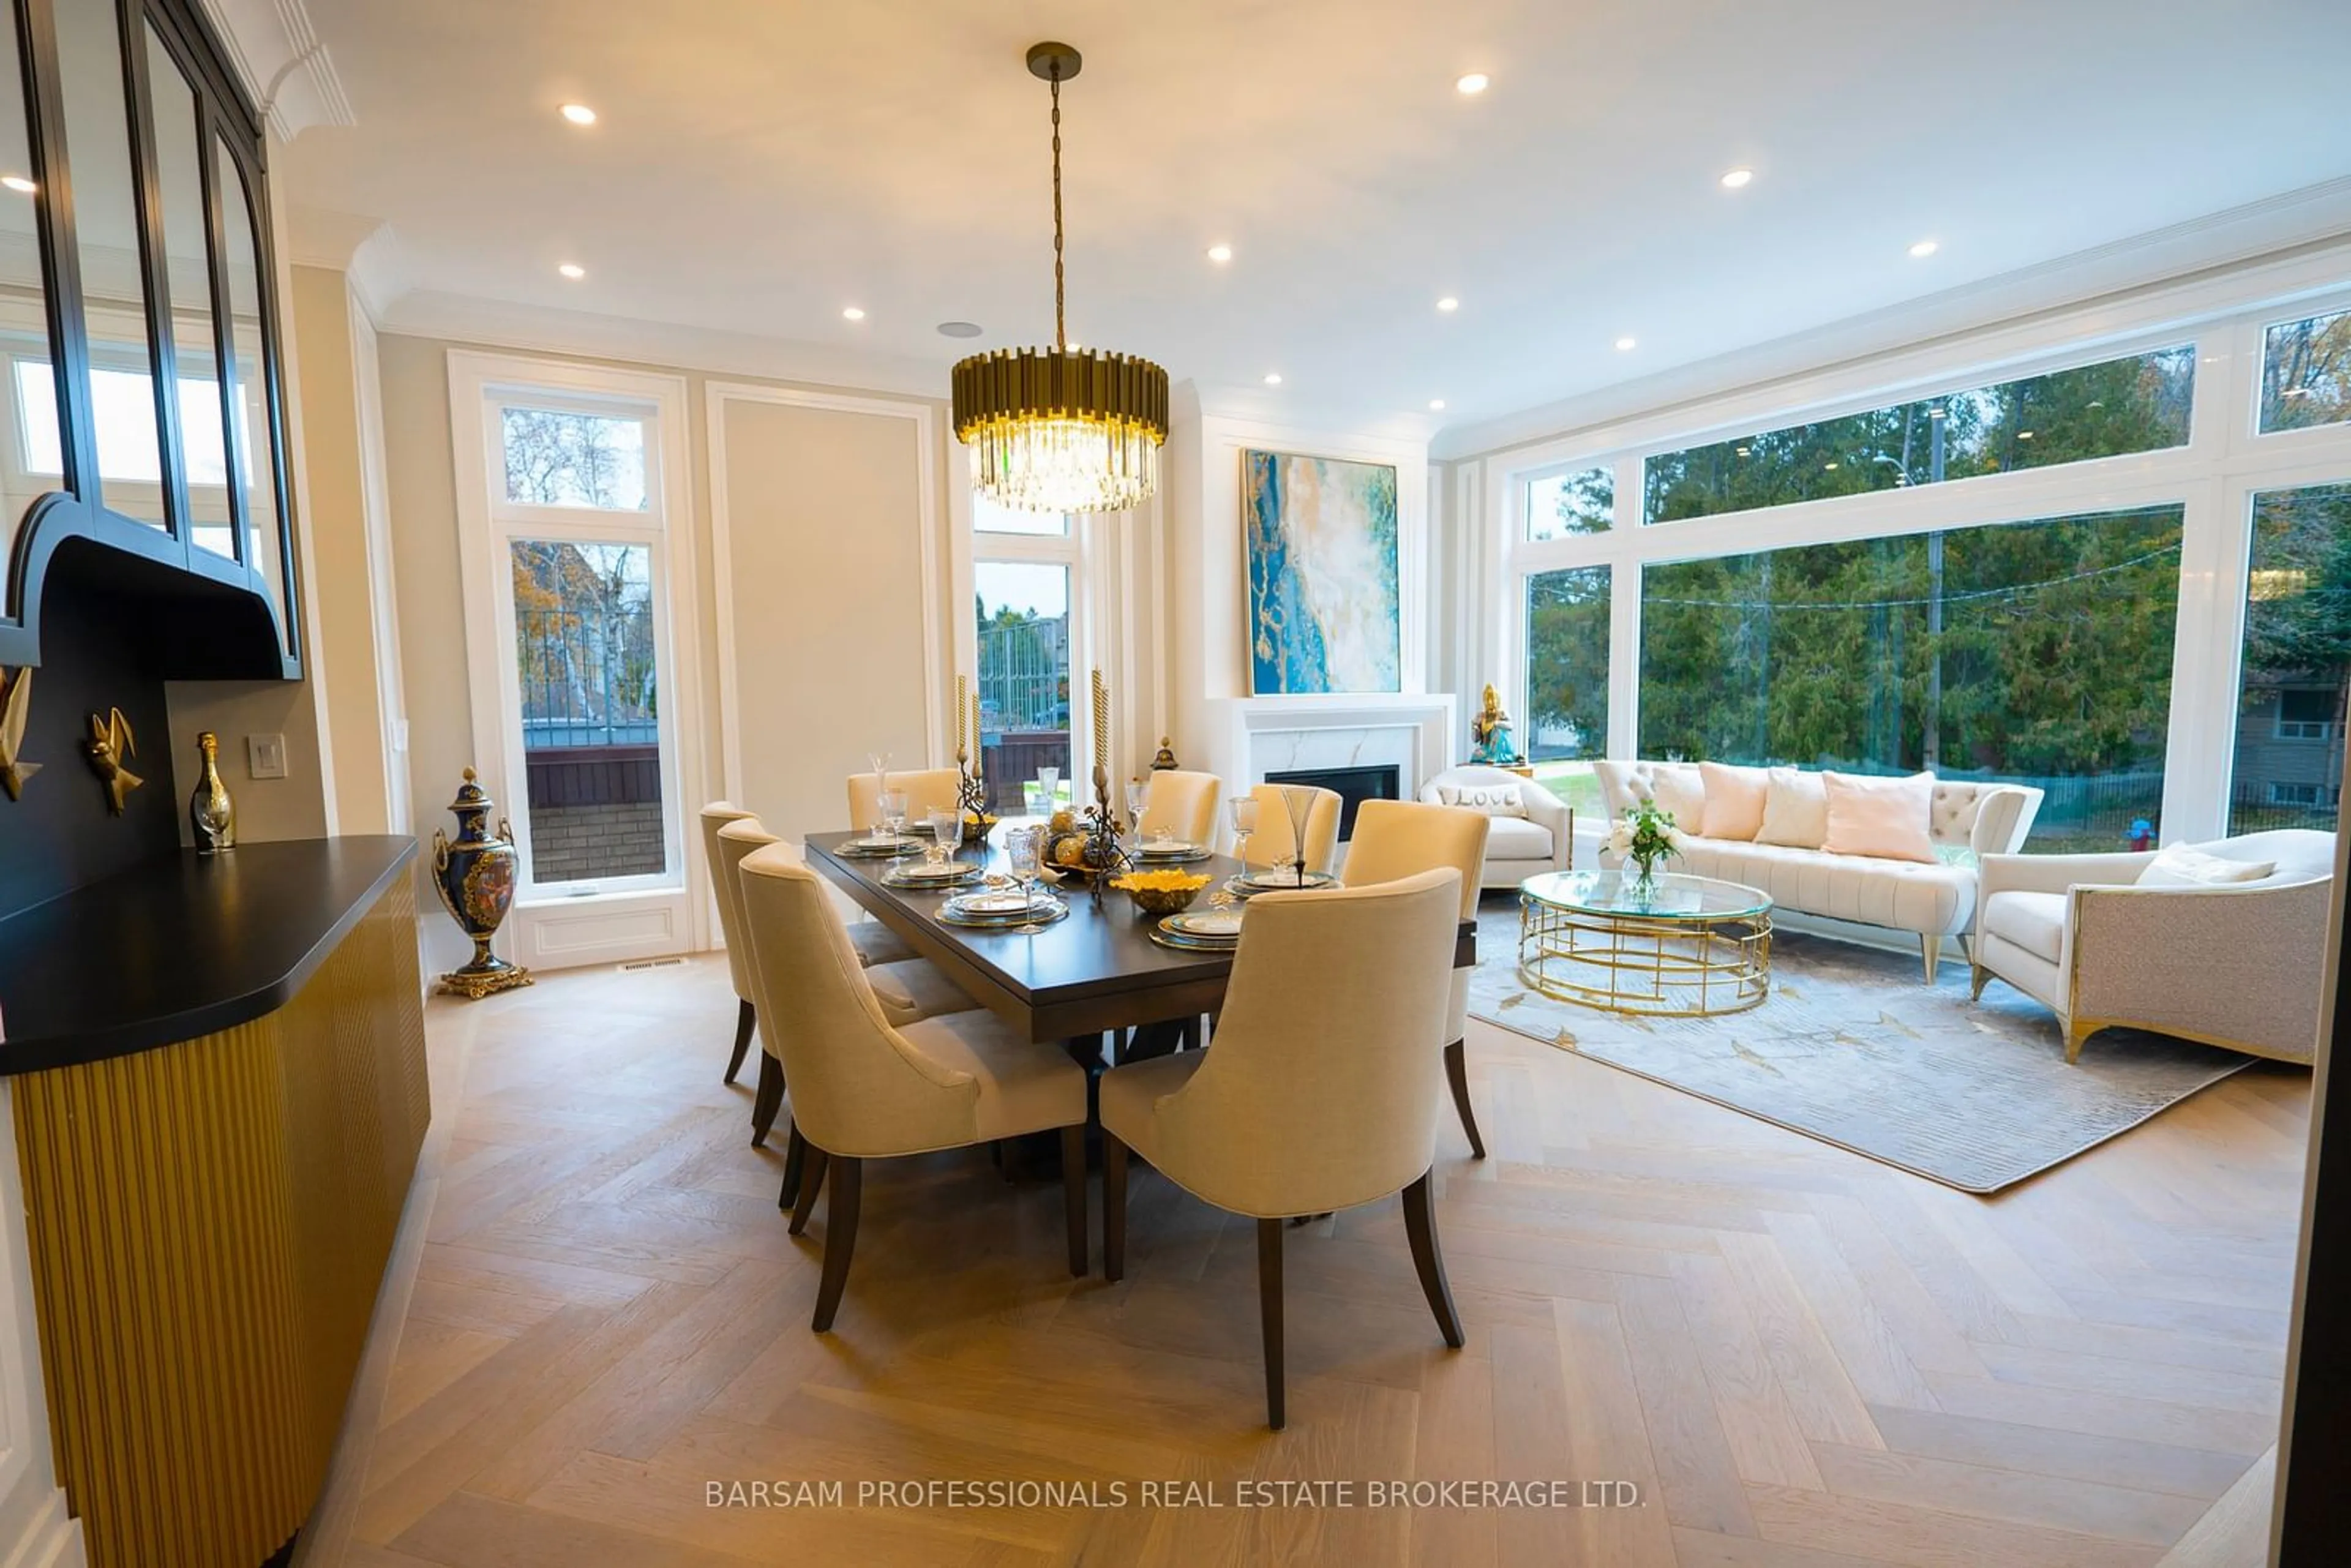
x=1205 y=924
x=1184 y=944
x=1279 y=878
x=1173 y=854
x=1039 y=914
x=880 y=849
x=923 y=873
x=1002 y=903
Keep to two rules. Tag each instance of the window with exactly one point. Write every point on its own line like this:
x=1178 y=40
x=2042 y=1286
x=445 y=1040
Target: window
x=1566 y=711
x=2306 y=373
x=2037 y=652
x=123 y=404
x=2134 y=404
x=987 y=518
x=2298 y=661
x=1024 y=676
x=1584 y=502
x=558 y=458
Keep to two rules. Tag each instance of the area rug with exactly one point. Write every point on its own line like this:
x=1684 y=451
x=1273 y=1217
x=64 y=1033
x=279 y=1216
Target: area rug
x=1854 y=1048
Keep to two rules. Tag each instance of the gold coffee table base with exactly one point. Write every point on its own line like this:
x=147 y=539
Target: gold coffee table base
x=1625 y=963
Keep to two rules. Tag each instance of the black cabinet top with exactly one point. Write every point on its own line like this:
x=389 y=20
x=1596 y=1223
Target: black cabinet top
x=181 y=946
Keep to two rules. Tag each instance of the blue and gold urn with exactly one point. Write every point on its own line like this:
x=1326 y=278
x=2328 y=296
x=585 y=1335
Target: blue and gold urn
x=474 y=876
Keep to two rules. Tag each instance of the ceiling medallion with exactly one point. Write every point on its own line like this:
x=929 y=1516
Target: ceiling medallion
x=1061 y=429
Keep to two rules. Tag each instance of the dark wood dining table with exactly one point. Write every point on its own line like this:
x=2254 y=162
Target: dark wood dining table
x=1096 y=972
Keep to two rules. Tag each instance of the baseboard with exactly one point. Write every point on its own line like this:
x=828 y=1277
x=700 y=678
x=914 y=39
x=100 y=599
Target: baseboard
x=51 y=1539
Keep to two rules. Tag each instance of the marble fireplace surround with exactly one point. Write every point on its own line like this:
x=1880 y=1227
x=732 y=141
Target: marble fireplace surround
x=1250 y=737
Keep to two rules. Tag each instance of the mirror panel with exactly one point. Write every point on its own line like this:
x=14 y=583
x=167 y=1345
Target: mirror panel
x=180 y=175
x=30 y=443
x=106 y=238
x=256 y=437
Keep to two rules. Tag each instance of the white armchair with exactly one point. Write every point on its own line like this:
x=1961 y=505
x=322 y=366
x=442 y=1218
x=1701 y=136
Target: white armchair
x=1516 y=847
x=2235 y=965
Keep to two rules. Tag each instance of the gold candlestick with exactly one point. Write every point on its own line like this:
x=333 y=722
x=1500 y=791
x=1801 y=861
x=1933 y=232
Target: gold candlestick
x=977 y=750
x=960 y=687
x=1102 y=741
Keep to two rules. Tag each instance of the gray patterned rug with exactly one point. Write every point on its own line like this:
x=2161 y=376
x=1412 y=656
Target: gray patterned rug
x=1854 y=1048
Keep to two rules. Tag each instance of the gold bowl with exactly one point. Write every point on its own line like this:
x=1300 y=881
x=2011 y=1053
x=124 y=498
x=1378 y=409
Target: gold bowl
x=1161 y=892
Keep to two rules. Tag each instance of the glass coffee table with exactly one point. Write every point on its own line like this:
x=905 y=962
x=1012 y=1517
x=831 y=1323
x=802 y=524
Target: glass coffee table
x=1687 y=947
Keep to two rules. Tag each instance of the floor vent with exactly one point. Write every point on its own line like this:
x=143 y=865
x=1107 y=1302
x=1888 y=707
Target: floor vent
x=635 y=965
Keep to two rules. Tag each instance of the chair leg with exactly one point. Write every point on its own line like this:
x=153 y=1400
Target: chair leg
x=1977 y=979
x=811 y=1182
x=1420 y=1231
x=795 y=1164
x=1113 y=1207
x=1269 y=1312
x=1073 y=1194
x=1931 y=949
x=2076 y=1035
x=839 y=1237
x=1457 y=1074
x=746 y=1016
x=767 y=1100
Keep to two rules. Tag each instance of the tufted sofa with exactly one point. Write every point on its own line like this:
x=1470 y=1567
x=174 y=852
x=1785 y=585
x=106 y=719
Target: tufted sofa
x=1932 y=901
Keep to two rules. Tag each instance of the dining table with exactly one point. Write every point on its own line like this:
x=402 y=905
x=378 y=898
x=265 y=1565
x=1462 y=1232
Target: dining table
x=1093 y=975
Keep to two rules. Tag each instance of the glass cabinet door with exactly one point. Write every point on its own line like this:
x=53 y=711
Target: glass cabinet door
x=188 y=283
x=253 y=434
x=30 y=464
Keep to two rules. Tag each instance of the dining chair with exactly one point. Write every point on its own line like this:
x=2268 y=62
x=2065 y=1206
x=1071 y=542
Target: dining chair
x=1270 y=844
x=905 y=988
x=1183 y=804
x=1320 y=1091
x=715 y=816
x=927 y=789
x=1397 y=839
x=866 y=1086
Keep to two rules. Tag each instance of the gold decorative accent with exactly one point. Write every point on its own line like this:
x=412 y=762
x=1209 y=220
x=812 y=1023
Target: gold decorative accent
x=1165 y=759
x=1646 y=965
x=1061 y=429
x=109 y=742
x=210 y=811
x=204 y=1279
x=14 y=713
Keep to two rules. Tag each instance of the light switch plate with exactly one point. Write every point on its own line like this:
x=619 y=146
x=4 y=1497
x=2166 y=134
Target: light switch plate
x=265 y=756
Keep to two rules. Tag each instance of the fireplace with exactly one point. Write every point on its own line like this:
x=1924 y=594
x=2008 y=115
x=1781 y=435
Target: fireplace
x=1354 y=785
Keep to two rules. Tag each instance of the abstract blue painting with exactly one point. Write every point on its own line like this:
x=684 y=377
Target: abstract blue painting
x=1324 y=613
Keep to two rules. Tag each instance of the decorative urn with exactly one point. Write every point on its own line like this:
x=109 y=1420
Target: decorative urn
x=474 y=876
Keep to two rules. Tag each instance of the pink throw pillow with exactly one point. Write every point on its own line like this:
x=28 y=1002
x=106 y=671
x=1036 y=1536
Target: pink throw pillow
x=1887 y=818
x=1734 y=801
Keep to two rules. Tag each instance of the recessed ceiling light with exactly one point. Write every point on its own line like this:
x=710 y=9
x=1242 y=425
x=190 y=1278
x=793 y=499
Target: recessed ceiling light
x=18 y=183
x=1925 y=247
x=1474 y=83
x=1274 y=378
x=578 y=114
x=1220 y=253
x=958 y=328
x=1448 y=303
x=852 y=314
x=572 y=270
x=1738 y=179
x=1437 y=405
x=1623 y=344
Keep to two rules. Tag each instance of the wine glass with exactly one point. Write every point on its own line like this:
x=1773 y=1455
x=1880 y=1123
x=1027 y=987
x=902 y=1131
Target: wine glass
x=1023 y=847
x=1244 y=814
x=1137 y=792
x=1049 y=783
x=946 y=837
x=893 y=812
x=1298 y=802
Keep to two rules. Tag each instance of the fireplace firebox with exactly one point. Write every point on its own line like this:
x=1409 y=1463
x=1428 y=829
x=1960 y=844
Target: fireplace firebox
x=1354 y=785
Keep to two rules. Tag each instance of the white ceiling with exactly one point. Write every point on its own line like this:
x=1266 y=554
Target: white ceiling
x=759 y=165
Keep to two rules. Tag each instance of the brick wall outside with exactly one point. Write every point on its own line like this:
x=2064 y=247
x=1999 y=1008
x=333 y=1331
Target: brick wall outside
x=583 y=842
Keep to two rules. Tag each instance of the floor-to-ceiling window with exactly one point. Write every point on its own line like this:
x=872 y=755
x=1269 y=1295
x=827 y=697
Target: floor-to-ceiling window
x=1024 y=568
x=2296 y=667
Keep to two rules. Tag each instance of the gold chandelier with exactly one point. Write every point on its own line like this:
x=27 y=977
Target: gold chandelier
x=1061 y=429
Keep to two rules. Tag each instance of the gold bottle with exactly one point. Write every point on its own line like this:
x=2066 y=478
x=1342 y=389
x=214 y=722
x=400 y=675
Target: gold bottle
x=210 y=809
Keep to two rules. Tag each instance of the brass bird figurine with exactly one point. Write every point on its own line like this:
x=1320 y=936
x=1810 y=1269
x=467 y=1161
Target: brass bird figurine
x=109 y=742
x=13 y=712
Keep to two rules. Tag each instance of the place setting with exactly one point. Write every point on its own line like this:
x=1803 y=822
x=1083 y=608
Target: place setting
x=939 y=868
x=890 y=840
x=1021 y=907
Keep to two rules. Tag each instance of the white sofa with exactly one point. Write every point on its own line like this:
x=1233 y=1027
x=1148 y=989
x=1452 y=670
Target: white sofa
x=2233 y=964
x=1517 y=847
x=1933 y=901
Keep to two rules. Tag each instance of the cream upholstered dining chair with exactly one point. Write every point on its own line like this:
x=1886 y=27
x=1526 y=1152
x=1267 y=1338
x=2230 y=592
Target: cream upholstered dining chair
x=715 y=816
x=1270 y=844
x=865 y=1086
x=906 y=988
x=1534 y=830
x=927 y=789
x=1183 y=804
x=1397 y=839
x=1321 y=1092
x=2231 y=963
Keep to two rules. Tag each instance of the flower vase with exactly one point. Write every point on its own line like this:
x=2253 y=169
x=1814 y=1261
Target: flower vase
x=1644 y=881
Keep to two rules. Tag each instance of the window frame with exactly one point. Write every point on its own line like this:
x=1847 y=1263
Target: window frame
x=1068 y=549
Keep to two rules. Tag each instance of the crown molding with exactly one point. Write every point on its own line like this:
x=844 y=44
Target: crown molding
x=278 y=54
x=2237 y=259
x=537 y=329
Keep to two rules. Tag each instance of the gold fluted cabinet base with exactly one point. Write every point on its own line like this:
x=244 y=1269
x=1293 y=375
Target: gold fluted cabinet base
x=209 y=1223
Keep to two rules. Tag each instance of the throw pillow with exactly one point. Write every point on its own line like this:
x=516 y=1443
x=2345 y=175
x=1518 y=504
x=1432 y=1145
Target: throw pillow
x=1677 y=788
x=2180 y=866
x=1494 y=799
x=1795 y=809
x=1734 y=801
x=1887 y=818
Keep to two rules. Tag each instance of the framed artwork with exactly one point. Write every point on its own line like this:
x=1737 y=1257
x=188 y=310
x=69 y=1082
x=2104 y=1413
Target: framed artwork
x=1324 y=610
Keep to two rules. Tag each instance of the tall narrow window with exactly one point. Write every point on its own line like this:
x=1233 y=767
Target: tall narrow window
x=1566 y=713
x=2297 y=661
x=1024 y=676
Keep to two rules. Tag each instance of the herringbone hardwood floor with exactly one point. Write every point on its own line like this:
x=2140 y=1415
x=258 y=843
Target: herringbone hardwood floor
x=1797 y=1356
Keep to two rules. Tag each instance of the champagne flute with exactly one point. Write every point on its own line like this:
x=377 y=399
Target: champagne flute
x=1244 y=814
x=1297 y=803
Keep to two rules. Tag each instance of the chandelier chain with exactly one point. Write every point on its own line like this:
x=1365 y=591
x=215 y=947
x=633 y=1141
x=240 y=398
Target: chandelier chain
x=1060 y=327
